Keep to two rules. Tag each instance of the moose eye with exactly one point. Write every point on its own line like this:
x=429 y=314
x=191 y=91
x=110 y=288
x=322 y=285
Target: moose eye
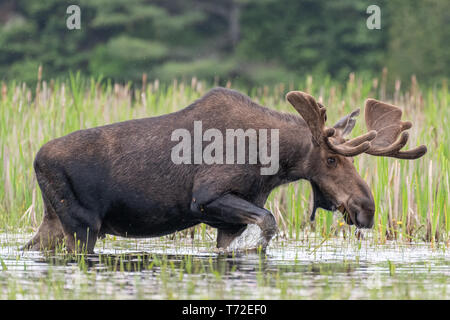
x=331 y=161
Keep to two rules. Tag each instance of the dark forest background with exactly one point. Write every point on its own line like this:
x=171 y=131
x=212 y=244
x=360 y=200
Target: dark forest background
x=251 y=41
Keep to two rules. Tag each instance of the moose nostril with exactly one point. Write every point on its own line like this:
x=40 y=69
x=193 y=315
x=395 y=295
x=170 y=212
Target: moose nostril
x=364 y=211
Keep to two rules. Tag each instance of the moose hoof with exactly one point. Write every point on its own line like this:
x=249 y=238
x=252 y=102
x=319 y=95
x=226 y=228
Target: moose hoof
x=251 y=239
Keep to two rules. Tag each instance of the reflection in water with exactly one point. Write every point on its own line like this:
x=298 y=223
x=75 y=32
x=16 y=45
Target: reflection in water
x=162 y=268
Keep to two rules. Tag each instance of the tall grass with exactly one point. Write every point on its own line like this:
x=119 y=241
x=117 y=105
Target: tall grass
x=411 y=196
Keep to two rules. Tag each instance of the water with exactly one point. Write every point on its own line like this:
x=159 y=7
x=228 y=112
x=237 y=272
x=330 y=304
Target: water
x=180 y=268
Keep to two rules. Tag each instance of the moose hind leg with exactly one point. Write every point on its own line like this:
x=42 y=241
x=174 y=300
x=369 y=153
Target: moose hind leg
x=79 y=224
x=50 y=233
x=231 y=209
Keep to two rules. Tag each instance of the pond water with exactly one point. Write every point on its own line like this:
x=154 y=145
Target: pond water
x=182 y=268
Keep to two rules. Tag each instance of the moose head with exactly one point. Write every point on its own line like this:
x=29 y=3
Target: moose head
x=336 y=183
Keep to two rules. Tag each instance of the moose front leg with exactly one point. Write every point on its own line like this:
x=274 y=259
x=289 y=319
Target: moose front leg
x=225 y=236
x=229 y=210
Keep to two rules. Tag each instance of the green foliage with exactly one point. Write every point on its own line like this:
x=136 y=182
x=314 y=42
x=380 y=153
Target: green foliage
x=411 y=197
x=420 y=38
x=255 y=41
x=202 y=68
x=313 y=36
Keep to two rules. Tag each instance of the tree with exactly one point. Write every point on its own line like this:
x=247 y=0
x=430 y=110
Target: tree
x=254 y=41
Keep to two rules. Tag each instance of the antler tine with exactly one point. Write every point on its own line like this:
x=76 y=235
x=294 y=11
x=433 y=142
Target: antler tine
x=347 y=150
x=314 y=114
x=385 y=119
x=369 y=136
x=354 y=146
x=391 y=149
x=411 y=154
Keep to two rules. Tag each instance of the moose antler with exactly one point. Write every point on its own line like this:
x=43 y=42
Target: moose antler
x=382 y=120
x=315 y=116
x=385 y=119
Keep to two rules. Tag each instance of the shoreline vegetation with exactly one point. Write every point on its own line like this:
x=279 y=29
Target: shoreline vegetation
x=411 y=197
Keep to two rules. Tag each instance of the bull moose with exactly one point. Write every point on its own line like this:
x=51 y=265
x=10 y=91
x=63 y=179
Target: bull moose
x=120 y=178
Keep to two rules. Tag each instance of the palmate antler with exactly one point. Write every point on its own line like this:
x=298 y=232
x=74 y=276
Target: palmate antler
x=382 y=119
x=385 y=119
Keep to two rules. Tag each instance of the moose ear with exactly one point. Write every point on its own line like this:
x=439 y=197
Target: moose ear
x=346 y=124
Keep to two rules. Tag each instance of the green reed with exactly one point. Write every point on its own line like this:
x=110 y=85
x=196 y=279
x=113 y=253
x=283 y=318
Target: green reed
x=411 y=196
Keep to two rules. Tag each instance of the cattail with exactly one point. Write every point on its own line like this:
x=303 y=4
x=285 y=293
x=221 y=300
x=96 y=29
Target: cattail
x=144 y=99
x=375 y=83
x=398 y=84
x=266 y=91
x=4 y=91
x=29 y=96
x=430 y=236
x=383 y=83
x=40 y=73
x=351 y=77
x=291 y=86
x=199 y=87
x=38 y=85
x=144 y=82
x=413 y=84
x=332 y=95
x=413 y=92
x=309 y=81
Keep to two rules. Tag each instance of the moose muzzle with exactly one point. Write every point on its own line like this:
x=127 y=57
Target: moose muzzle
x=359 y=211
